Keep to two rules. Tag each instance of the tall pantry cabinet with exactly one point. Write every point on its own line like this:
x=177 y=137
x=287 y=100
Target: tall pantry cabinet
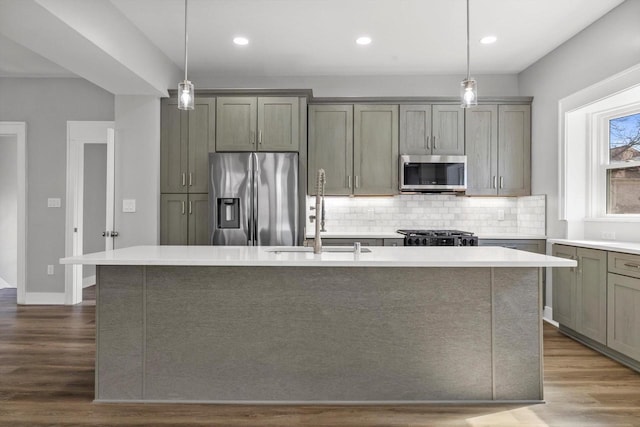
x=186 y=138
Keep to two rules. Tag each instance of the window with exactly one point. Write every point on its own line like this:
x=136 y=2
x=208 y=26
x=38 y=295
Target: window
x=623 y=165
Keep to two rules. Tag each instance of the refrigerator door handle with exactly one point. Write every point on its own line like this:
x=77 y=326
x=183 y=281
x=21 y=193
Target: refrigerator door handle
x=255 y=201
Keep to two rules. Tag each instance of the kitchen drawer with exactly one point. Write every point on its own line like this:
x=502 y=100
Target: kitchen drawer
x=393 y=242
x=336 y=241
x=625 y=264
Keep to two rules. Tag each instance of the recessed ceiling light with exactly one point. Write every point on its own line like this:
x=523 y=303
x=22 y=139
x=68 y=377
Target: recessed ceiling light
x=242 y=41
x=488 y=39
x=364 y=40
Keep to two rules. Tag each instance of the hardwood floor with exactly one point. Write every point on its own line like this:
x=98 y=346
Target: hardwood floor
x=46 y=379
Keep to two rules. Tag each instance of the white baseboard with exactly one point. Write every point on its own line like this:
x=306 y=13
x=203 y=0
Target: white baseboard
x=44 y=298
x=547 y=316
x=89 y=281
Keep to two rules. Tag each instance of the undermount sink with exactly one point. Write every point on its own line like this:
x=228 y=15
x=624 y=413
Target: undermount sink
x=309 y=249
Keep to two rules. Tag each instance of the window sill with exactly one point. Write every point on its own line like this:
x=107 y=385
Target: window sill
x=626 y=218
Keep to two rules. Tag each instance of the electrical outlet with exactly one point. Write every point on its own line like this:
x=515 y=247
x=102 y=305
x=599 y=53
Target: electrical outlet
x=500 y=214
x=609 y=235
x=50 y=270
x=54 y=202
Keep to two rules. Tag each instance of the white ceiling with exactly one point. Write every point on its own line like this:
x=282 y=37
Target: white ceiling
x=316 y=37
x=288 y=37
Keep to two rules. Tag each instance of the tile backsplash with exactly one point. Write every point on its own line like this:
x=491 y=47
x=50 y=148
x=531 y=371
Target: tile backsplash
x=481 y=215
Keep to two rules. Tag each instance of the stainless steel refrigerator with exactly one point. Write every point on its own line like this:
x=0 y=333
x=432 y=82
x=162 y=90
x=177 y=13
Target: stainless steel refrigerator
x=254 y=199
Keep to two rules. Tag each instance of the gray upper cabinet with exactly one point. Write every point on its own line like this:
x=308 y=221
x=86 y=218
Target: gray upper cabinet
x=357 y=146
x=431 y=129
x=448 y=129
x=257 y=124
x=278 y=124
x=186 y=138
x=375 y=150
x=331 y=147
x=481 y=135
x=237 y=118
x=514 y=150
x=498 y=148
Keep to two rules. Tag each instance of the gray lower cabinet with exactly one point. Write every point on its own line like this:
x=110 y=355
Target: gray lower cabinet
x=248 y=123
x=357 y=146
x=184 y=219
x=530 y=245
x=580 y=294
x=363 y=241
x=623 y=304
x=623 y=323
x=186 y=138
x=431 y=129
x=564 y=288
x=498 y=149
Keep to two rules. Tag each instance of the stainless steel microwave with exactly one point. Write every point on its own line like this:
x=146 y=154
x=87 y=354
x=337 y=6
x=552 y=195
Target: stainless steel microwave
x=433 y=173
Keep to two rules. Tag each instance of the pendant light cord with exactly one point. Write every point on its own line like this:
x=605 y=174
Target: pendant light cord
x=186 y=38
x=467 y=39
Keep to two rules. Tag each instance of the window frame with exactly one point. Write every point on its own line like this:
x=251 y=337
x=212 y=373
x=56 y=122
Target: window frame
x=600 y=164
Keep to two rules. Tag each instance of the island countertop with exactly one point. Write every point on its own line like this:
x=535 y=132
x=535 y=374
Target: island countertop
x=264 y=256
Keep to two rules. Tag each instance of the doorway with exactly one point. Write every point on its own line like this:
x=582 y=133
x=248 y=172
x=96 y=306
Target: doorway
x=13 y=188
x=90 y=199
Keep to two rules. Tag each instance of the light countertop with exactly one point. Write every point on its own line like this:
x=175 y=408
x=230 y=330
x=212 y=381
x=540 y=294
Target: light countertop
x=606 y=245
x=448 y=256
x=512 y=236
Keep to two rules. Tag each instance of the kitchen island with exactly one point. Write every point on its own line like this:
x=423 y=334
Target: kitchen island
x=258 y=324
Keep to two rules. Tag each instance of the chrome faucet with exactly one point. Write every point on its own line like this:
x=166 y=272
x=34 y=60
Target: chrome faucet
x=319 y=208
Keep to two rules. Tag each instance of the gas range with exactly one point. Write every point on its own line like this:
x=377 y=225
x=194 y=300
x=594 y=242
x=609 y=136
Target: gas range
x=438 y=238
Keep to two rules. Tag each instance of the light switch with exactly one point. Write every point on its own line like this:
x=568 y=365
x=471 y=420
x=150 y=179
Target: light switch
x=128 y=205
x=54 y=202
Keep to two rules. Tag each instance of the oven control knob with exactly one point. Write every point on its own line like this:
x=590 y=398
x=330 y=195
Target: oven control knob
x=472 y=242
x=424 y=242
x=464 y=242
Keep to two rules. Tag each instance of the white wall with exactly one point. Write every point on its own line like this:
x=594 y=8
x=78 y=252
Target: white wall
x=329 y=86
x=8 y=211
x=46 y=105
x=137 y=163
x=609 y=46
x=95 y=201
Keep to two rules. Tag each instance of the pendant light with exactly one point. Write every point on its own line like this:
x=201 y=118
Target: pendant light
x=468 y=87
x=186 y=95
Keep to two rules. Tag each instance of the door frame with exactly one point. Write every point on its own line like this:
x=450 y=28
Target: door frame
x=80 y=133
x=19 y=130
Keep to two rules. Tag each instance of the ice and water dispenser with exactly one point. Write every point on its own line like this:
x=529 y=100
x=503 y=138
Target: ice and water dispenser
x=228 y=210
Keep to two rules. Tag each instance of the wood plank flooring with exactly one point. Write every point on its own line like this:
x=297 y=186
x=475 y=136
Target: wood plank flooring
x=46 y=379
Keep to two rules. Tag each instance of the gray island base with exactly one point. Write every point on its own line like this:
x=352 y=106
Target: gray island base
x=287 y=334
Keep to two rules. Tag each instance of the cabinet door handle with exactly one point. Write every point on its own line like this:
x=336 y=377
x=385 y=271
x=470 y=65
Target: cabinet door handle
x=190 y=207
x=252 y=137
x=357 y=181
x=260 y=137
x=183 y=207
x=631 y=265
x=434 y=142
x=349 y=181
x=501 y=181
x=190 y=179
x=184 y=179
x=495 y=181
x=427 y=146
